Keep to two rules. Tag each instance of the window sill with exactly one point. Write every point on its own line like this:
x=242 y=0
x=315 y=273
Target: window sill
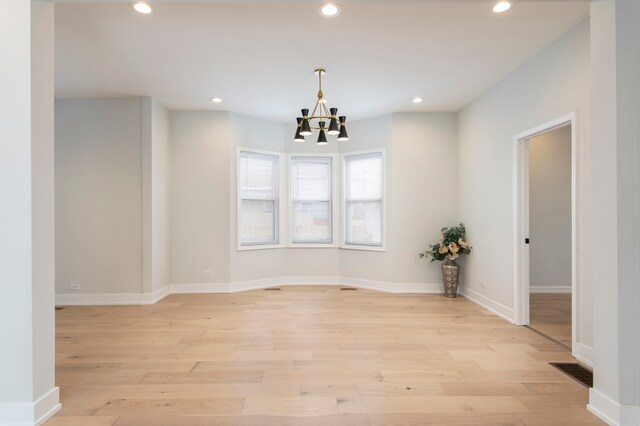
x=259 y=247
x=313 y=246
x=363 y=247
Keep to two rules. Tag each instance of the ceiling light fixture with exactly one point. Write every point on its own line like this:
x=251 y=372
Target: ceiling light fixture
x=330 y=9
x=142 y=7
x=336 y=124
x=501 y=6
x=216 y=100
x=417 y=100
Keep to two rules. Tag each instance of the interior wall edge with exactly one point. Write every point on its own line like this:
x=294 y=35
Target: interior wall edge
x=611 y=411
x=583 y=353
x=31 y=414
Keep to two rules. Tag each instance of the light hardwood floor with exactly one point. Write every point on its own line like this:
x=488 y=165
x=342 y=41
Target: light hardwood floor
x=308 y=356
x=550 y=314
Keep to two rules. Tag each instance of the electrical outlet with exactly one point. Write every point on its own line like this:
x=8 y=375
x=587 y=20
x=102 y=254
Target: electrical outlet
x=207 y=273
x=483 y=284
x=74 y=287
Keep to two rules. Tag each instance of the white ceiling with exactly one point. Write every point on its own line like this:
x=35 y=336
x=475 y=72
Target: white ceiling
x=259 y=56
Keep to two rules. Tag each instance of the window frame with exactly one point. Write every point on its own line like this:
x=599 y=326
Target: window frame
x=279 y=221
x=344 y=203
x=335 y=202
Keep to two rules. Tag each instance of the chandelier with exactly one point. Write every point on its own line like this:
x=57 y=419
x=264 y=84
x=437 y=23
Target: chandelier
x=324 y=114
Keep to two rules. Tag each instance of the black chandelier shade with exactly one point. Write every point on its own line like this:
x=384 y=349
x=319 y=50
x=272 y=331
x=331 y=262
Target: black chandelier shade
x=343 y=136
x=322 y=138
x=305 y=129
x=333 y=124
x=298 y=137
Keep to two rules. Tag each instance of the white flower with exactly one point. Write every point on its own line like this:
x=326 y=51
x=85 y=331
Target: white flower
x=453 y=248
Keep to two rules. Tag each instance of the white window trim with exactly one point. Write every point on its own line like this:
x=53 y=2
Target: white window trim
x=343 y=204
x=336 y=202
x=282 y=199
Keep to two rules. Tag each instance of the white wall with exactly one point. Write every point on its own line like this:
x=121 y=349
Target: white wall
x=98 y=195
x=112 y=160
x=421 y=193
x=550 y=209
x=42 y=187
x=423 y=188
x=204 y=150
x=552 y=84
x=27 y=391
x=160 y=197
x=15 y=190
x=200 y=196
x=615 y=47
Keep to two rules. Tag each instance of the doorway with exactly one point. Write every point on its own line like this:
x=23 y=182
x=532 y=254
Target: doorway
x=545 y=230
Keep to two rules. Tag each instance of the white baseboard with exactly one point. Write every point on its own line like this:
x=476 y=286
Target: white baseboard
x=195 y=288
x=495 y=307
x=611 y=412
x=550 y=289
x=156 y=296
x=583 y=353
x=79 y=299
x=31 y=414
x=391 y=287
x=84 y=299
x=384 y=286
x=47 y=406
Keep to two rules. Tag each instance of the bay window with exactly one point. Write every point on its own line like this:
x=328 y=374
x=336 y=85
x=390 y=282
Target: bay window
x=363 y=180
x=311 y=199
x=258 y=199
x=315 y=208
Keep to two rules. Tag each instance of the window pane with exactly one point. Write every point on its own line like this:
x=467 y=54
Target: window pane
x=312 y=222
x=364 y=222
x=311 y=193
x=364 y=176
x=258 y=176
x=311 y=178
x=257 y=222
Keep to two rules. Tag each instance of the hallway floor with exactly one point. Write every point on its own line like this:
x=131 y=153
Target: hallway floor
x=550 y=314
x=308 y=356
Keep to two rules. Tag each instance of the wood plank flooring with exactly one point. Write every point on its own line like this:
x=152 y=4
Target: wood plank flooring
x=550 y=314
x=308 y=356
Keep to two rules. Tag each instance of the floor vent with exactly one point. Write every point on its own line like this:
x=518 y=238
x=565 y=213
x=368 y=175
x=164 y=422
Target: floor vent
x=59 y=308
x=273 y=289
x=575 y=371
x=348 y=289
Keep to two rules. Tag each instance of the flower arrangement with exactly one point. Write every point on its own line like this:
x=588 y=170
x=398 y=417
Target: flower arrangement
x=451 y=245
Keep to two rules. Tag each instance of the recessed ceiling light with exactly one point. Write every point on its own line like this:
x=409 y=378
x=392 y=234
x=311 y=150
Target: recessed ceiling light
x=216 y=100
x=329 y=9
x=501 y=6
x=142 y=7
x=417 y=100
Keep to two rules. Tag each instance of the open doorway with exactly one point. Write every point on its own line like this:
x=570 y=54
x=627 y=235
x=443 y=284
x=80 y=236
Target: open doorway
x=550 y=234
x=545 y=230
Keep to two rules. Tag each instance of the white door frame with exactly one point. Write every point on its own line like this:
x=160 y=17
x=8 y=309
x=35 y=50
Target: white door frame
x=521 y=220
